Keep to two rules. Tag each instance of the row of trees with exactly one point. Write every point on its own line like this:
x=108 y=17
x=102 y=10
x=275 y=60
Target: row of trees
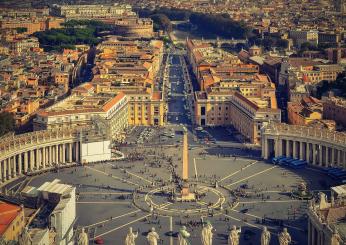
x=171 y=13
x=219 y=25
x=269 y=41
x=75 y=32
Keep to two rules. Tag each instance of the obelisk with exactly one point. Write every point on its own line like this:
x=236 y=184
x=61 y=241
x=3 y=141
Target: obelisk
x=185 y=188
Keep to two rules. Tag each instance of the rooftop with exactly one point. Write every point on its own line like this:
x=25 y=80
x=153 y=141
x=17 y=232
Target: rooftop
x=8 y=212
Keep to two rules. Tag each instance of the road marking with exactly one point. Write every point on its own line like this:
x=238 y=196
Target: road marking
x=194 y=163
x=117 y=217
x=242 y=221
x=112 y=176
x=103 y=202
x=104 y=193
x=230 y=175
x=249 y=177
x=277 y=201
x=126 y=171
x=171 y=229
x=122 y=226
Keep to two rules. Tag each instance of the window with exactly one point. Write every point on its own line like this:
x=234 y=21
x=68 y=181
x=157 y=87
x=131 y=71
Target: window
x=203 y=111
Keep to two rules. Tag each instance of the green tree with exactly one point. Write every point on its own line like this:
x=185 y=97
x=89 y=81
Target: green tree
x=162 y=22
x=21 y=29
x=7 y=123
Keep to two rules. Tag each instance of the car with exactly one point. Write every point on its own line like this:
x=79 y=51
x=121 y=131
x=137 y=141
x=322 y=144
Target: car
x=244 y=211
x=99 y=240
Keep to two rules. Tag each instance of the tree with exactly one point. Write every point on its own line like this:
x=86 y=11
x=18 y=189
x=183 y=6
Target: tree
x=162 y=22
x=7 y=123
x=21 y=29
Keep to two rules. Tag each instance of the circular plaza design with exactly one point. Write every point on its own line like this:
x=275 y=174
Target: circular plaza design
x=137 y=193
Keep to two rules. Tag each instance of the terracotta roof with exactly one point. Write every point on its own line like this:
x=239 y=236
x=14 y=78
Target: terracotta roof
x=157 y=96
x=8 y=212
x=296 y=62
x=247 y=101
x=113 y=101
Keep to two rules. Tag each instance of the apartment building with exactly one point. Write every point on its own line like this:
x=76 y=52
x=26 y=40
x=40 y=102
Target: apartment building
x=85 y=107
x=225 y=106
x=92 y=11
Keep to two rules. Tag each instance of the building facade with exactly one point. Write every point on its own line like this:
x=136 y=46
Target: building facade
x=220 y=107
x=12 y=221
x=92 y=11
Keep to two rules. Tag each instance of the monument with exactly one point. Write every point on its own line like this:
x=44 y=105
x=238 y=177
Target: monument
x=265 y=237
x=131 y=237
x=207 y=234
x=285 y=237
x=185 y=194
x=233 y=238
x=302 y=192
x=183 y=236
x=83 y=238
x=152 y=237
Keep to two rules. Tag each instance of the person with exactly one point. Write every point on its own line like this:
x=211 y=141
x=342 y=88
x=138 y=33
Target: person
x=233 y=238
x=284 y=237
x=335 y=239
x=183 y=236
x=207 y=234
x=265 y=237
x=152 y=237
x=131 y=237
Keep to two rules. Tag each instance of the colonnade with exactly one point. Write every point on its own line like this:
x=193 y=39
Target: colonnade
x=38 y=151
x=39 y=158
x=317 y=147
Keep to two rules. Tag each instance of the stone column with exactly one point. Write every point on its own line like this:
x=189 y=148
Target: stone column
x=327 y=156
x=265 y=148
x=294 y=149
x=5 y=170
x=301 y=152
x=20 y=163
x=63 y=153
x=287 y=148
x=32 y=159
x=314 y=153
x=339 y=163
x=333 y=157
x=25 y=162
x=70 y=152
x=56 y=154
x=60 y=154
x=280 y=147
x=77 y=152
x=43 y=157
x=307 y=150
x=38 y=159
x=50 y=152
x=14 y=169
x=320 y=160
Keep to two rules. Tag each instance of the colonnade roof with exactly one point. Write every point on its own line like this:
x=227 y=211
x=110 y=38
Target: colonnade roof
x=282 y=129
